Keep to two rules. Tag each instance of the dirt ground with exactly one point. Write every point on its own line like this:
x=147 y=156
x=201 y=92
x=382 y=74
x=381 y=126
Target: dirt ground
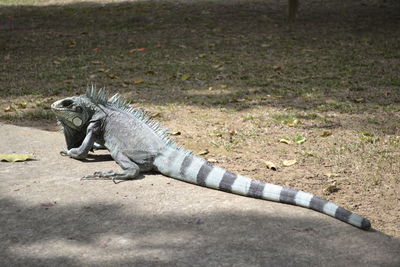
x=234 y=81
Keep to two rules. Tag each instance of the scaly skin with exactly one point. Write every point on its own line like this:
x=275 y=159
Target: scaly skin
x=138 y=145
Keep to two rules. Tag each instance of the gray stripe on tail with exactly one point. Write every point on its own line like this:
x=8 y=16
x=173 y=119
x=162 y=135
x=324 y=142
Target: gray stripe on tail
x=318 y=204
x=203 y=173
x=288 y=195
x=185 y=164
x=343 y=214
x=227 y=181
x=256 y=189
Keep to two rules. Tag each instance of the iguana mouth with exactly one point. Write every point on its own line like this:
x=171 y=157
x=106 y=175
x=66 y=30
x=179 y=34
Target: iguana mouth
x=62 y=104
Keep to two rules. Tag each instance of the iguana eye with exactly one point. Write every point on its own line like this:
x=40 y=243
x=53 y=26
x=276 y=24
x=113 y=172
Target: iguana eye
x=67 y=103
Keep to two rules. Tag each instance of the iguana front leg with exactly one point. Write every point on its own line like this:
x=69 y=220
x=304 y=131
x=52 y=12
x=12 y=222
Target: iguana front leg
x=130 y=170
x=87 y=144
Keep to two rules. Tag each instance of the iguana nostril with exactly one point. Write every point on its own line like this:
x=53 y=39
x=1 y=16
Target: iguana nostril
x=67 y=103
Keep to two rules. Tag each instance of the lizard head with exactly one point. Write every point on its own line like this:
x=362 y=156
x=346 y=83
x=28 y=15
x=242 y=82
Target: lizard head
x=71 y=112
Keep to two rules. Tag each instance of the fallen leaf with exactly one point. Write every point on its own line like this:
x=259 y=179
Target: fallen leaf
x=154 y=115
x=331 y=188
x=21 y=104
x=293 y=123
x=212 y=160
x=9 y=109
x=15 y=157
x=186 y=76
x=112 y=76
x=151 y=72
x=204 y=152
x=359 y=100
x=285 y=141
x=330 y=175
x=71 y=43
x=137 y=80
x=326 y=133
x=142 y=49
x=270 y=165
x=277 y=67
x=299 y=139
x=288 y=163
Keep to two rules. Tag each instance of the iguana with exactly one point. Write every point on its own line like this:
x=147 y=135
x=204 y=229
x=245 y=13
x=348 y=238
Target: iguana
x=138 y=144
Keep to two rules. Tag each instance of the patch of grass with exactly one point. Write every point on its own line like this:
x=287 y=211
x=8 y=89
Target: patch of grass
x=368 y=137
x=294 y=118
x=61 y=49
x=35 y=114
x=286 y=118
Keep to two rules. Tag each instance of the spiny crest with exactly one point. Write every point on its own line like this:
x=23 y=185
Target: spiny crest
x=102 y=97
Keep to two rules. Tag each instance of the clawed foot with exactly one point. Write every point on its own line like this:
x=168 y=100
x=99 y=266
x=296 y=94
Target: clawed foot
x=109 y=175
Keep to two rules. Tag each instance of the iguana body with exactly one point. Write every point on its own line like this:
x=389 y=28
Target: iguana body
x=138 y=144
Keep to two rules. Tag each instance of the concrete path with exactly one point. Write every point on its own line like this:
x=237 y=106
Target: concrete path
x=48 y=217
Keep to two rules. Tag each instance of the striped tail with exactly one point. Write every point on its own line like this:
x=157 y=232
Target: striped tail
x=182 y=165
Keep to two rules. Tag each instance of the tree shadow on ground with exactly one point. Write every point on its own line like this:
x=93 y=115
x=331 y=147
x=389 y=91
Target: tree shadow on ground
x=105 y=234
x=337 y=56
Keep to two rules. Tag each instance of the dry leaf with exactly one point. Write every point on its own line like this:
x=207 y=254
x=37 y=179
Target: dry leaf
x=71 y=43
x=142 y=49
x=204 y=152
x=21 y=104
x=288 y=163
x=186 y=76
x=9 y=109
x=331 y=188
x=294 y=123
x=325 y=134
x=15 y=157
x=212 y=160
x=285 y=141
x=270 y=165
x=330 y=175
x=359 y=100
x=112 y=76
x=137 y=80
